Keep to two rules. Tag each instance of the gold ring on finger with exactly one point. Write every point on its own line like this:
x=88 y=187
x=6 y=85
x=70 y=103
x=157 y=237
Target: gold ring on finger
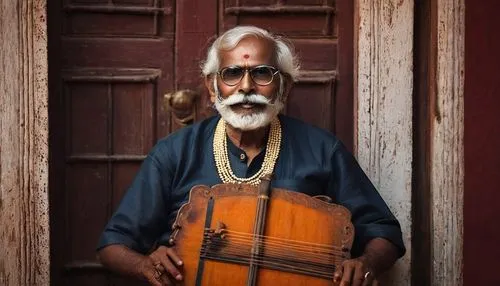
x=158 y=274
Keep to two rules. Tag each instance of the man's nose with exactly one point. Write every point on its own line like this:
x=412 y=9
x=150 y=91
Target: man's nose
x=247 y=85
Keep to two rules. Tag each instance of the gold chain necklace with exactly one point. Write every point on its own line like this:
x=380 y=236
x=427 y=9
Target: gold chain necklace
x=222 y=159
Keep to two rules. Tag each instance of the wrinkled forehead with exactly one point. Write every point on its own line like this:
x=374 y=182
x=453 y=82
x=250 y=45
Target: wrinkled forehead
x=250 y=51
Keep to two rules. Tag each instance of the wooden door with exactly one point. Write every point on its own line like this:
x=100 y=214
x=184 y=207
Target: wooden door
x=112 y=61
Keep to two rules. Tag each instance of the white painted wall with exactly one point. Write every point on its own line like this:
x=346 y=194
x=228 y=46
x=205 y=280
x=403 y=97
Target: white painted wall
x=384 y=110
x=447 y=146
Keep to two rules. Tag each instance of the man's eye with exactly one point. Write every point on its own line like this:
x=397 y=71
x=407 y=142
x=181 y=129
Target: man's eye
x=261 y=72
x=232 y=72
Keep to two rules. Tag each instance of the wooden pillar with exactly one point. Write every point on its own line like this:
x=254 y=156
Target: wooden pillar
x=24 y=217
x=447 y=148
x=384 y=87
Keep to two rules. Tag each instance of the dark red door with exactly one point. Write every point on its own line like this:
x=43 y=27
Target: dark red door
x=112 y=62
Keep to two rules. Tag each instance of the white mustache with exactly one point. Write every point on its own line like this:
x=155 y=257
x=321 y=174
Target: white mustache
x=241 y=98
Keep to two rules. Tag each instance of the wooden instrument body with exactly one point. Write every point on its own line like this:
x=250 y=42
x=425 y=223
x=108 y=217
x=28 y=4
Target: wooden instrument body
x=291 y=217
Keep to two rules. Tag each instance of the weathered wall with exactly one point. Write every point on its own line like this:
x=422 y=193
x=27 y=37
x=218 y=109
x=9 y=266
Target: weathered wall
x=24 y=226
x=384 y=92
x=447 y=131
x=384 y=126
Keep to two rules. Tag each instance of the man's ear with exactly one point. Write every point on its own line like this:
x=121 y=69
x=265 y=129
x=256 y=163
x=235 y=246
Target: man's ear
x=209 y=83
x=287 y=86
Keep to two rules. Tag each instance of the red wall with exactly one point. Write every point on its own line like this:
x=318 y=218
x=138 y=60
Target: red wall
x=482 y=143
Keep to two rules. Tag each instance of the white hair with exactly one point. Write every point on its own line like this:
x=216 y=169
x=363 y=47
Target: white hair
x=284 y=53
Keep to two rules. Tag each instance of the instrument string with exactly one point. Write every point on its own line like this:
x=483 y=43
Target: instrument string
x=279 y=243
x=270 y=243
x=280 y=253
x=279 y=264
x=272 y=238
x=283 y=249
x=301 y=263
x=304 y=267
x=283 y=260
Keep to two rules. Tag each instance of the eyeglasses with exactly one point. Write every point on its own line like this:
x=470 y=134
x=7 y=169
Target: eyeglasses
x=261 y=75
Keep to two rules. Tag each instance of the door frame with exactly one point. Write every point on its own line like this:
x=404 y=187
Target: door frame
x=24 y=210
x=24 y=204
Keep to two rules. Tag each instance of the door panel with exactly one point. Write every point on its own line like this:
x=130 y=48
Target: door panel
x=196 y=28
x=112 y=61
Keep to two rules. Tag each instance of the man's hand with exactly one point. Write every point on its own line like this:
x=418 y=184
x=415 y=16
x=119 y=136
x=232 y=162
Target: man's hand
x=379 y=255
x=355 y=272
x=161 y=267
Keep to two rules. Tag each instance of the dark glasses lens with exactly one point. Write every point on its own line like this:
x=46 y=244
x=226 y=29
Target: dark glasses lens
x=232 y=75
x=261 y=75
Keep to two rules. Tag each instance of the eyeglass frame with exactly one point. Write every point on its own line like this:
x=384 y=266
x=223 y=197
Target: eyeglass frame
x=274 y=70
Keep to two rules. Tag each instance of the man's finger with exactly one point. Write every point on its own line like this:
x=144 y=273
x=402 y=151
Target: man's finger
x=166 y=280
x=337 y=275
x=162 y=275
x=153 y=278
x=171 y=268
x=173 y=255
x=347 y=274
x=359 y=275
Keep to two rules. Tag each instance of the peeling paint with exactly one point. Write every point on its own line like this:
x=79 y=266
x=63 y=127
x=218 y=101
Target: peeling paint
x=384 y=93
x=447 y=166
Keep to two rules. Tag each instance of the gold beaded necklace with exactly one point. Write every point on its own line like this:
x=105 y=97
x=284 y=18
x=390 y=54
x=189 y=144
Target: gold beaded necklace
x=222 y=159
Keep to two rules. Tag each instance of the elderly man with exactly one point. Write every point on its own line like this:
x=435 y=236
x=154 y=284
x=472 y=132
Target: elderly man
x=248 y=73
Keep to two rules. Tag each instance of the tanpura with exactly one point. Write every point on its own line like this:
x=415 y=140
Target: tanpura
x=237 y=234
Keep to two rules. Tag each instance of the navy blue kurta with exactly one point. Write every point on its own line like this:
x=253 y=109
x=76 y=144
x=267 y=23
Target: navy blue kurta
x=311 y=161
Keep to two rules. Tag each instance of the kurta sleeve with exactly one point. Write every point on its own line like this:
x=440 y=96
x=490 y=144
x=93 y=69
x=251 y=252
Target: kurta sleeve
x=370 y=214
x=142 y=213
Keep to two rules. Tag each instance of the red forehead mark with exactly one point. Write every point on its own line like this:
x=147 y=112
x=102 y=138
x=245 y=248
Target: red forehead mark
x=246 y=56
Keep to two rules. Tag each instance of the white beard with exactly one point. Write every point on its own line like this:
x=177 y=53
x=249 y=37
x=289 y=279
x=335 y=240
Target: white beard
x=247 y=122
